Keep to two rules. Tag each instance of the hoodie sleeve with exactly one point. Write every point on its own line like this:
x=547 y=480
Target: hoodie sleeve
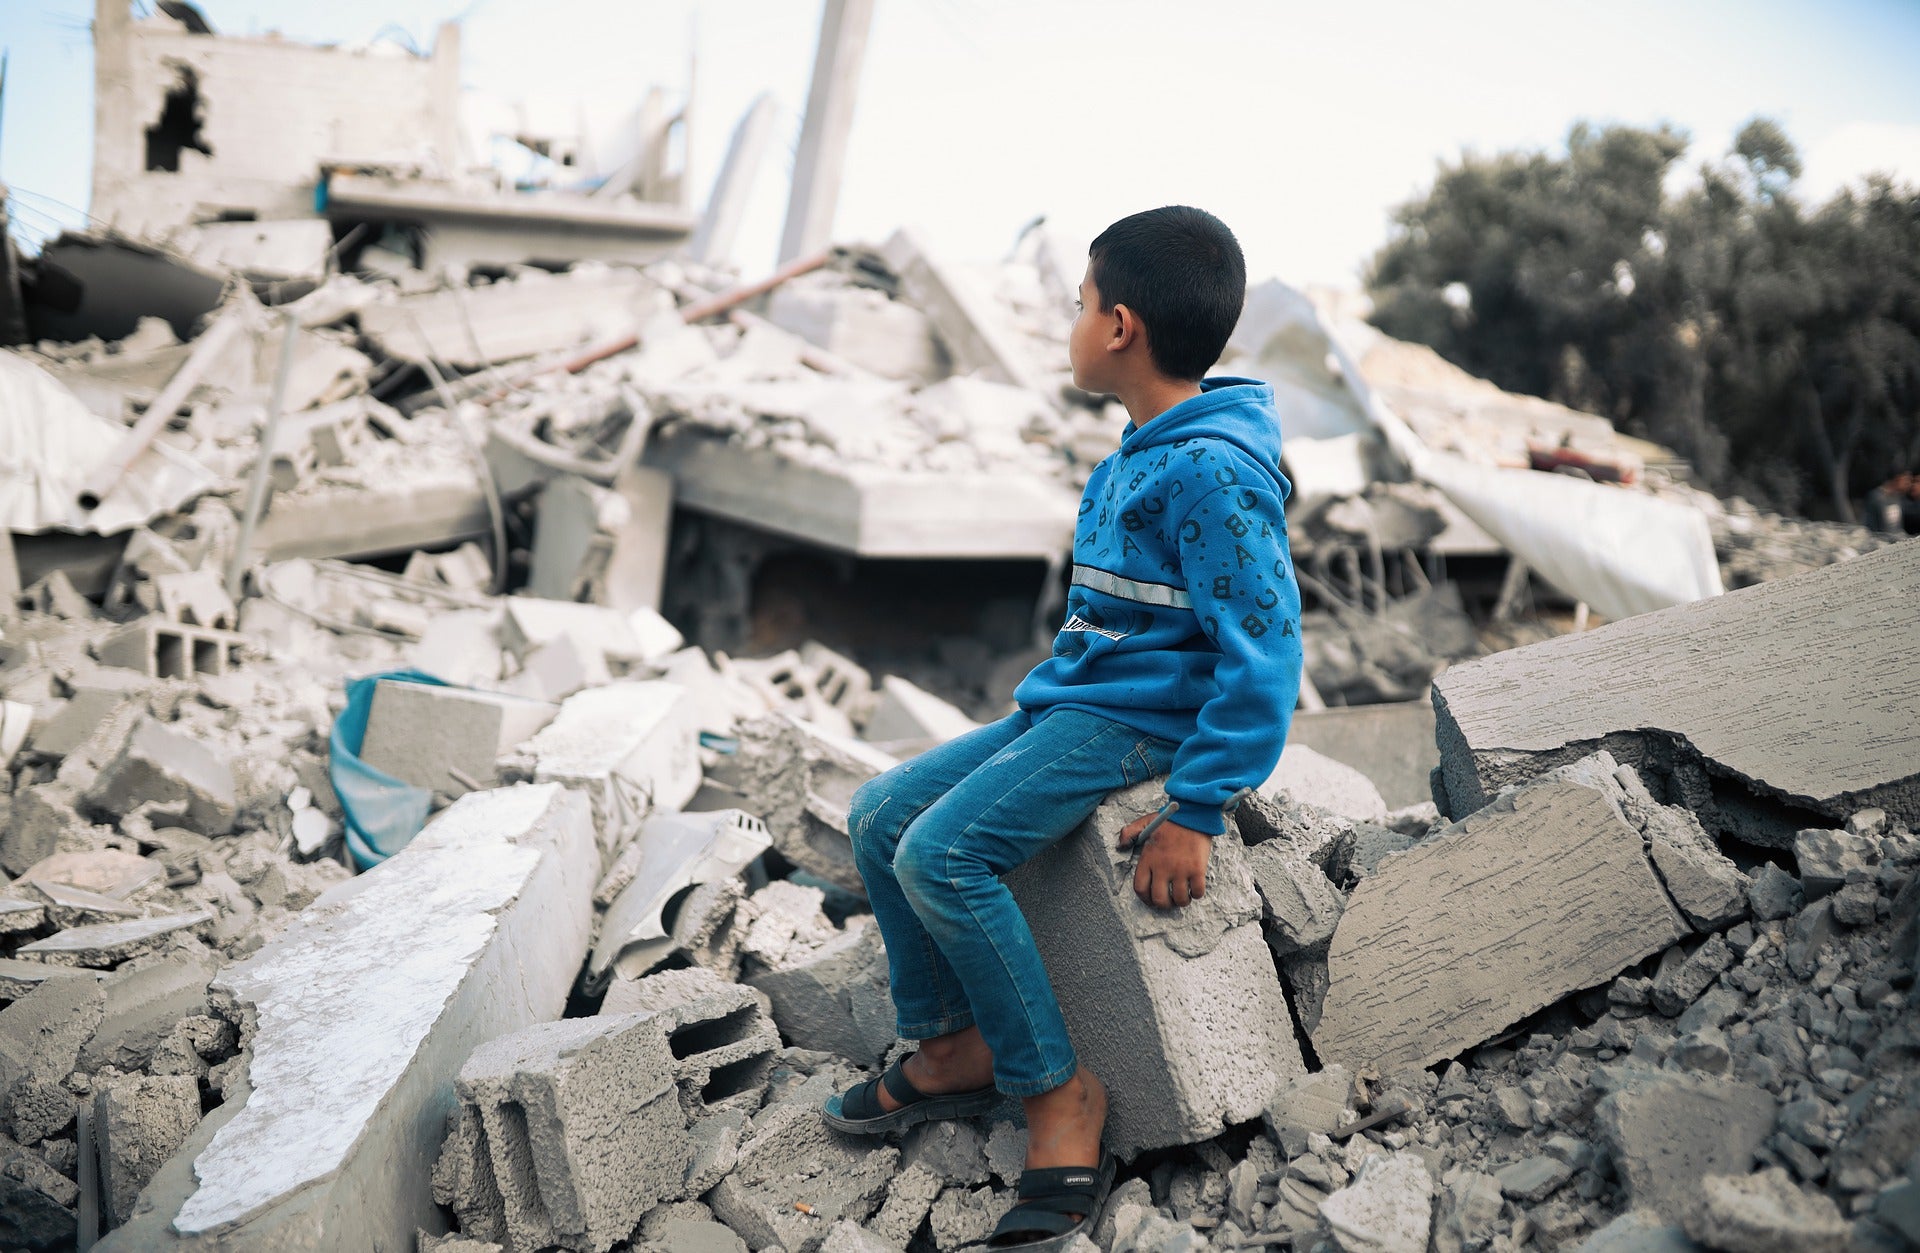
x=1239 y=573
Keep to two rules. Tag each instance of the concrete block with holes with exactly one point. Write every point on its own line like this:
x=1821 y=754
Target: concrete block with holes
x=579 y=1129
x=722 y=1042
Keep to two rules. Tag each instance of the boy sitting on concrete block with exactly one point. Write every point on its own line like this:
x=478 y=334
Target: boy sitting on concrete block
x=1180 y=656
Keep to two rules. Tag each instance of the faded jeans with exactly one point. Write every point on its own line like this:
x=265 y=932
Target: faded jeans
x=933 y=835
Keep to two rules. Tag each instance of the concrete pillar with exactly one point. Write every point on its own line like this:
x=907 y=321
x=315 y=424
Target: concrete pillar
x=822 y=155
x=713 y=240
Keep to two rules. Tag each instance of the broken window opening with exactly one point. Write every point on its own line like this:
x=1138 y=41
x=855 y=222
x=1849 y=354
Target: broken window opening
x=178 y=126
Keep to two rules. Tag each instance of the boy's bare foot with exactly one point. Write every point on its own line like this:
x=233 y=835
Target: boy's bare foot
x=960 y=1062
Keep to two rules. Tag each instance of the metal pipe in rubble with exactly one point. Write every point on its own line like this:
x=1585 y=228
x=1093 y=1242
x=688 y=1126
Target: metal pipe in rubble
x=106 y=476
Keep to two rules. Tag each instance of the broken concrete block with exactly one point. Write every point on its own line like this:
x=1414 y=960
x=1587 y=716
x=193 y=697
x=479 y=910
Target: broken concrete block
x=1543 y=893
x=32 y=1216
x=463 y=1178
x=1314 y=1105
x=196 y=598
x=1680 y=984
x=794 y=1157
x=1304 y=775
x=801 y=779
x=447 y=739
x=1391 y=744
x=557 y=669
x=161 y=649
x=583 y=1124
x=139 y=1121
x=1773 y=893
x=1669 y=1131
x=837 y=999
x=85 y=709
x=361 y=1012
x=637 y=635
x=1761 y=684
x=672 y=854
x=1180 y=1012
x=903 y=712
x=105 y=945
x=142 y=1006
x=909 y=1197
x=631 y=747
x=953 y=1151
x=1638 y=1231
x=160 y=766
x=1532 y=1179
x=1388 y=1208
x=858 y=324
x=461 y=647
x=43 y=822
x=963 y=1218
x=722 y=1042
x=847 y=1236
x=1829 y=860
x=1764 y=1213
x=17 y=978
x=1300 y=907
x=1708 y=888
x=972 y=330
x=41 y=1035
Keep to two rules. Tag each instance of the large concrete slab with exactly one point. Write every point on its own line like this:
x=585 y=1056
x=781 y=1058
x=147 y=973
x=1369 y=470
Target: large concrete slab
x=632 y=747
x=1544 y=892
x=1180 y=1012
x=1762 y=708
x=356 y=1020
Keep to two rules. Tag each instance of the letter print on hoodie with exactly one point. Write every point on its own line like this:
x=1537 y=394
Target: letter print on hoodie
x=1183 y=619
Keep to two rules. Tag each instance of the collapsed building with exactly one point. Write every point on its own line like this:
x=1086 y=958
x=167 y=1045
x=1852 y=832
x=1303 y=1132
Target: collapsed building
x=435 y=678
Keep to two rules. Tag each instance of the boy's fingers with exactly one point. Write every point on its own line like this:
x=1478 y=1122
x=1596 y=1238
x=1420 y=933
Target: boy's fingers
x=1177 y=891
x=1143 y=882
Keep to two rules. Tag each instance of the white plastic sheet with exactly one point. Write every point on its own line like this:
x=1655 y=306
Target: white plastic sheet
x=1623 y=552
x=49 y=440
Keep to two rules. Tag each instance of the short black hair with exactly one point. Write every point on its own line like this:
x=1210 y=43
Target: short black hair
x=1181 y=271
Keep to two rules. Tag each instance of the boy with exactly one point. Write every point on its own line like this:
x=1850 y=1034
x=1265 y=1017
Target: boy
x=1180 y=656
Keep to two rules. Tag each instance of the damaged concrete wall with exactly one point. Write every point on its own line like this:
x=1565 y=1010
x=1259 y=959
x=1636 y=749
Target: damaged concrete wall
x=189 y=126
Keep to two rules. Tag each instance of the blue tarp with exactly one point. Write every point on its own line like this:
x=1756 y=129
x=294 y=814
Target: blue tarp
x=382 y=813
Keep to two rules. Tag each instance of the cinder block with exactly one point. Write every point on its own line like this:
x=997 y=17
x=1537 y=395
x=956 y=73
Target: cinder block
x=801 y=779
x=722 y=1043
x=623 y=637
x=41 y=1035
x=160 y=766
x=837 y=998
x=169 y=650
x=1543 y=893
x=1179 y=1011
x=138 y=1123
x=794 y=1157
x=631 y=747
x=583 y=1128
x=423 y=734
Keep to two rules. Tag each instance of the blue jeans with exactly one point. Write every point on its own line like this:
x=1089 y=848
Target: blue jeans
x=933 y=835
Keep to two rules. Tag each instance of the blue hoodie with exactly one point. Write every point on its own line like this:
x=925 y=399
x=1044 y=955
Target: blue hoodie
x=1183 y=620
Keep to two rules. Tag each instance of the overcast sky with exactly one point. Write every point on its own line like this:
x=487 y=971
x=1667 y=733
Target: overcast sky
x=1300 y=124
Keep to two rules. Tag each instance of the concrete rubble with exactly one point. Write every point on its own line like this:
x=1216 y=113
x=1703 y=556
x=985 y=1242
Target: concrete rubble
x=1603 y=941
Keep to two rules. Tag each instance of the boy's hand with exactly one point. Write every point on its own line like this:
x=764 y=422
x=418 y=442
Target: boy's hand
x=1173 y=866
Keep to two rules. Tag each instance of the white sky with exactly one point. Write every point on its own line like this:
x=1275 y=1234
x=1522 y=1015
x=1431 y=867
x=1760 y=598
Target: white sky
x=1300 y=124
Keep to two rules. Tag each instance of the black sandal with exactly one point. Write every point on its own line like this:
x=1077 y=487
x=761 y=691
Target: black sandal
x=858 y=1109
x=1041 y=1221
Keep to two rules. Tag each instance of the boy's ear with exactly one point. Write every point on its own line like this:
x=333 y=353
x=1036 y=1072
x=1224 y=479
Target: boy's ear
x=1126 y=329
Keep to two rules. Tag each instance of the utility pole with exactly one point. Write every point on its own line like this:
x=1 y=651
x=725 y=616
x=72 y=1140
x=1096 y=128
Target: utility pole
x=822 y=155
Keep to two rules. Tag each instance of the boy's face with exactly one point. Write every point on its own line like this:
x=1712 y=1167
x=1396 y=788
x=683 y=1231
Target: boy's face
x=1087 y=344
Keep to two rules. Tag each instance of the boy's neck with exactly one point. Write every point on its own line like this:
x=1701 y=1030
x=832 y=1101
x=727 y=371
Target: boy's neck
x=1151 y=397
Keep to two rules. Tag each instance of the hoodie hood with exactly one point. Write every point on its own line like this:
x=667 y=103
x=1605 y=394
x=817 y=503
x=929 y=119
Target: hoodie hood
x=1234 y=409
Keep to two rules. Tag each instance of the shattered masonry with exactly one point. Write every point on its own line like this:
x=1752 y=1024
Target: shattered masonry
x=454 y=855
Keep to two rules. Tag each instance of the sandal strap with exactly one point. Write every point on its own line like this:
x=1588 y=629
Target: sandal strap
x=1029 y=1217
x=898 y=1086
x=1062 y=1183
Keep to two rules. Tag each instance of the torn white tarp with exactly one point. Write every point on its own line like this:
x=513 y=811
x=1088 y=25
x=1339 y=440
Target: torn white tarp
x=49 y=441
x=1622 y=552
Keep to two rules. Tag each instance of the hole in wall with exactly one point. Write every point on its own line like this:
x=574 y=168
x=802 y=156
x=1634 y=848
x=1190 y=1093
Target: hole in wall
x=178 y=127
